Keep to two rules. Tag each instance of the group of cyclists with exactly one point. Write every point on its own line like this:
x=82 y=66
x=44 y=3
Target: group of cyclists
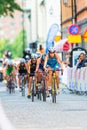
x=35 y=66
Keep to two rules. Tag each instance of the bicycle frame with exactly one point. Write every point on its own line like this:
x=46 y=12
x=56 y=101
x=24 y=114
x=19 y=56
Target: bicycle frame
x=53 y=86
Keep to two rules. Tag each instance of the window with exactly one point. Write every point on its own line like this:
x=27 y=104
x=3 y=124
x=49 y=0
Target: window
x=12 y=23
x=12 y=31
x=65 y=2
x=1 y=24
x=1 y=32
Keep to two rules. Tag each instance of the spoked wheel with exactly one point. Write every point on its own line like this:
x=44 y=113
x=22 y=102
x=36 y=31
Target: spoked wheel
x=44 y=96
x=40 y=95
x=44 y=90
x=54 y=98
x=32 y=92
x=32 y=96
x=23 y=89
x=10 y=89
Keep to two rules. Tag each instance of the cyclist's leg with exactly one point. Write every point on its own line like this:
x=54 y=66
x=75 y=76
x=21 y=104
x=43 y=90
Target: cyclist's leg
x=38 y=77
x=48 y=81
x=57 y=79
x=29 y=86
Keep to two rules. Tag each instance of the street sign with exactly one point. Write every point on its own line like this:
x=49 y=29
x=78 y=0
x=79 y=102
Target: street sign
x=57 y=38
x=74 y=29
x=85 y=36
x=74 y=39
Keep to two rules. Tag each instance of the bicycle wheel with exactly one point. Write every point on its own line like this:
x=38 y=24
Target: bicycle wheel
x=54 y=91
x=9 y=86
x=33 y=90
x=23 y=88
x=44 y=90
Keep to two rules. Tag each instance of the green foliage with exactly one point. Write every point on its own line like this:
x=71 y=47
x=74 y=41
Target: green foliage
x=16 y=47
x=7 y=7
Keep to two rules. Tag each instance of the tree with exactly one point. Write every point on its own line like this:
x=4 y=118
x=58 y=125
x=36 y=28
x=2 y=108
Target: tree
x=16 y=48
x=7 y=7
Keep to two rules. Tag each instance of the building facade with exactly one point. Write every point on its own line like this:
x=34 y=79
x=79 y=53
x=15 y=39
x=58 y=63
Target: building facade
x=74 y=11
x=11 y=27
x=37 y=19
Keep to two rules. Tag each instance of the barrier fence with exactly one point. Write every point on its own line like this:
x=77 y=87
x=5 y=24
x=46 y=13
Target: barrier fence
x=77 y=79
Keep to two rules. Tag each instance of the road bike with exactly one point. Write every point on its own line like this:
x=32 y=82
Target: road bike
x=54 y=85
x=23 y=84
x=11 y=84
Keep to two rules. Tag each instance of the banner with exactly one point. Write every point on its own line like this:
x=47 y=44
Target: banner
x=51 y=35
x=77 y=79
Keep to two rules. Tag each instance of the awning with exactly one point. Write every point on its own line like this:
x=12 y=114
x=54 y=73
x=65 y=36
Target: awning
x=62 y=45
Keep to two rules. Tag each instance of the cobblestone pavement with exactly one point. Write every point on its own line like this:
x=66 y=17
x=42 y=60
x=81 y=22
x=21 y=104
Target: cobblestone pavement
x=69 y=113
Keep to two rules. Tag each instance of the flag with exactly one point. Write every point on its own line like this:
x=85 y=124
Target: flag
x=51 y=35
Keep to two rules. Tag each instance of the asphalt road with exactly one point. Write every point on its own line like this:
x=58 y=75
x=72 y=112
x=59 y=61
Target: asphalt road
x=69 y=113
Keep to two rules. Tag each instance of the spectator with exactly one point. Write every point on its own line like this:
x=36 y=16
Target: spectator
x=83 y=61
x=67 y=57
x=41 y=49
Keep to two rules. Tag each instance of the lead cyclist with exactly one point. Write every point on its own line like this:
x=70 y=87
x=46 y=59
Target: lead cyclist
x=52 y=61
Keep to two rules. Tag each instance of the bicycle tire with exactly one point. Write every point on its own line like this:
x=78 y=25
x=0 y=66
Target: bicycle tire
x=23 y=88
x=33 y=91
x=40 y=95
x=44 y=90
x=10 y=89
x=53 y=91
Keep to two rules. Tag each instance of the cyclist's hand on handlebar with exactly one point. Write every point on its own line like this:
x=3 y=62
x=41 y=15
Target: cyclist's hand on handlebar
x=46 y=70
x=62 y=71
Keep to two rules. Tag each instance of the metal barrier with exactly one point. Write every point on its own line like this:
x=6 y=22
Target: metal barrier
x=77 y=79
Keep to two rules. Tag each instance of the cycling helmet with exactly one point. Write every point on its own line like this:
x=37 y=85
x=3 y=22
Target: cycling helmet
x=27 y=57
x=33 y=56
x=27 y=50
x=22 y=60
x=43 y=56
x=52 y=49
x=9 y=62
x=38 y=54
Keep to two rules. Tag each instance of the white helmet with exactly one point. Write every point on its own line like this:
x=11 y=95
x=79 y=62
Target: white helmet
x=33 y=56
x=38 y=54
x=52 y=49
x=22 y=60
x=9 y=62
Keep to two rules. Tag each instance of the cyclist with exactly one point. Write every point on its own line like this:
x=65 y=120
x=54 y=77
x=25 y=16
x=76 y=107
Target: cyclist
x=40 y=69
x=32 y=68
x=22 y=70
x=10 y=70
x=52 y=62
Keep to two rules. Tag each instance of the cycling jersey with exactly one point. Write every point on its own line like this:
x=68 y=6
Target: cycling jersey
x=9 y=70
x=32 y=68
x=52 y=62
x=22 y=69
x=41 y=65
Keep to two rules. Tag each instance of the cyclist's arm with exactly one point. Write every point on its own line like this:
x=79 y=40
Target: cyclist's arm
x=58 y=60
x=45 y=61
x=28 y=66
x=18 y=67
x=37 y=66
